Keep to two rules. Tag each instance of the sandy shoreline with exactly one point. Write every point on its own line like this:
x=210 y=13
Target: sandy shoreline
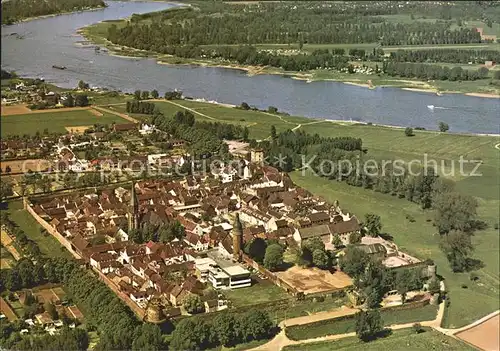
x=484 y=95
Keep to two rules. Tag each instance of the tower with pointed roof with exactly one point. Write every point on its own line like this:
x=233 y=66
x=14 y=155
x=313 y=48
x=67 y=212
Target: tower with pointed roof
x=133 y=212
x=237 y=234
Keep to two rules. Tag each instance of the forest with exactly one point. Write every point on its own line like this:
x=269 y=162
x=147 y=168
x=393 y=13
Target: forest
x=302 y=22
x=233 y=33
x=16 y=10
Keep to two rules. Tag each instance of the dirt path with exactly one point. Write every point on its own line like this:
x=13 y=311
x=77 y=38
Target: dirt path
x=194 y=111
x=122 y=115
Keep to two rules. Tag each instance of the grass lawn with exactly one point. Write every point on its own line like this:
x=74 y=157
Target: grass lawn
x=405 y=339
x=53 y=121
x=257 y=293
x=258 y=123
x=48 y=244
x=342 y=326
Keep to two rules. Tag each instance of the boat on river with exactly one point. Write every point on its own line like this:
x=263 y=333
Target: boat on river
x=59 y=67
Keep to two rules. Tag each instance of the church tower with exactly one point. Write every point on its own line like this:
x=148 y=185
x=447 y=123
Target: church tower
x=237 y=234
x=133 y=212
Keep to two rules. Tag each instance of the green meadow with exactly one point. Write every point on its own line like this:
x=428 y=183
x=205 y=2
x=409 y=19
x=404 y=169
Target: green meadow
x=55 y=121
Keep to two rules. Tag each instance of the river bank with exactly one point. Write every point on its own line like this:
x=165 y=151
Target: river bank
x=96 y=33
x=29 y=19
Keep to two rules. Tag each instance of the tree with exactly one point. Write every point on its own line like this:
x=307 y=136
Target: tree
x=309 y=246
x=246 y=133
x=320 y=259
x=82 y=85
x=69 y=102
x=193 y=304
x=255 y=325
x=81 y=100
x=354 y=261
x=373 y=224
x=225 y=327
x=256 y=249
x=454 y=211
x=148 y=337
x=155 y=94
x=355 y=238
x=51 y=310
x=274 y=135
x=457 y=247
x=272 y=109
x=368 y=324
x=443 y=127
x=403 y=281
x=137 y=95
x=273 y=258
x=244 y=106
x=145 y=95
x=496 y=75
x=409 y=132
x=337 y=241
x=190 y=334
x=81 y=338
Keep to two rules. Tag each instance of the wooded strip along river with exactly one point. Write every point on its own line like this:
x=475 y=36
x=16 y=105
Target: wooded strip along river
x=42 y=43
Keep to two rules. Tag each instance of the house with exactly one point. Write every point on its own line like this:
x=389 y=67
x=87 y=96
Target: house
x=211 y=305
x=124 y=127
x=197 y=242
x=177 y=295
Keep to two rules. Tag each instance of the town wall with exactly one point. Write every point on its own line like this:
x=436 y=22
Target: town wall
x=51 y=230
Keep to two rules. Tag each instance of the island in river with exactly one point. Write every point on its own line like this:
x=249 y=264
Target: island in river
x=458 y=67
x=24 y=10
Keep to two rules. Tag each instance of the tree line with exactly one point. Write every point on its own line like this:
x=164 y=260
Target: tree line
x=15 y=10
x=282 y=24
x=224 y=329
x=143 y=107
x=205 y=138
x=432 y=72
x=445 y=55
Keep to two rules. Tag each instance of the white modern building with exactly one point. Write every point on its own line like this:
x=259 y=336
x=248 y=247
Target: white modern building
x=231 y=277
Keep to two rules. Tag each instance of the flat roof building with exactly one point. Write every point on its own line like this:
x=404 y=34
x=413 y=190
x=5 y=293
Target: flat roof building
x=231 y=277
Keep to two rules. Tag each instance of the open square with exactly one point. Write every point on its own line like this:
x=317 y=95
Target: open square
x=314 y=280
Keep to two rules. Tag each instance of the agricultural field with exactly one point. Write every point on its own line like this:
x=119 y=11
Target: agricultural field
x=429 y=340
x=54 y=121
x=348 y=324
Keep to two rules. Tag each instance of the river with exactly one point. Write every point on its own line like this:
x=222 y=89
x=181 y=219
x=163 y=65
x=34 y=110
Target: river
x=53 y=41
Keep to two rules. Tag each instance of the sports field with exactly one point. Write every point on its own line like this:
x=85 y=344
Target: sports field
x=53 y=121
x=484 y=336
